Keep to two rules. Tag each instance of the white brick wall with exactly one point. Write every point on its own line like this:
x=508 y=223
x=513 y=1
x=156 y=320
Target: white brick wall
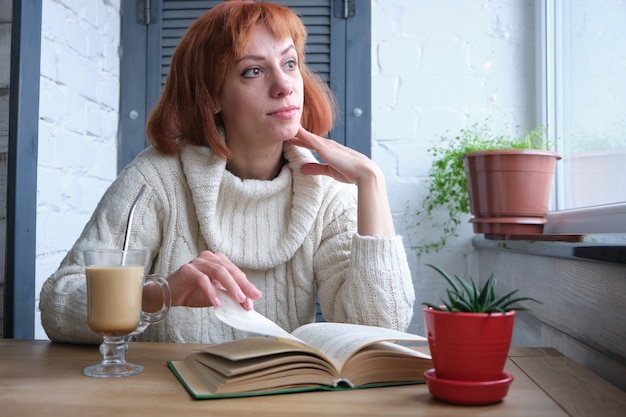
x=436 y=66
x=79 y=105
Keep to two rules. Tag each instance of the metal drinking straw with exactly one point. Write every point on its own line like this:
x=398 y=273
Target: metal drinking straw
x=129 y=223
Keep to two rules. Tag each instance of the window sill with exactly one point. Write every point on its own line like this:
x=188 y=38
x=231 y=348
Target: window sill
x=595 y=247
x=608 y=219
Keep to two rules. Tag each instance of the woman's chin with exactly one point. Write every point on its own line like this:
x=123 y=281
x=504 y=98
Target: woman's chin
x=288 y=132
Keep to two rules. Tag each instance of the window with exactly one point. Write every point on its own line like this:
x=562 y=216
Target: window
x=584 y=109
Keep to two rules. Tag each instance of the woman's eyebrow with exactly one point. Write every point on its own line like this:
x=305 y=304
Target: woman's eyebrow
x=253 y=57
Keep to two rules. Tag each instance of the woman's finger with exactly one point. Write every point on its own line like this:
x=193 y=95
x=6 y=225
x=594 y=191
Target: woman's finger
x=221 y=273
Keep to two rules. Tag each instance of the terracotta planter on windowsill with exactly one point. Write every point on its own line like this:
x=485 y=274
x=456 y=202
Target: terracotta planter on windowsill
x=509 y=190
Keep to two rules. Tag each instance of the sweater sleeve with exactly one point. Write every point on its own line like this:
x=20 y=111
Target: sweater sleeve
x=363 y=279
x=63 y=298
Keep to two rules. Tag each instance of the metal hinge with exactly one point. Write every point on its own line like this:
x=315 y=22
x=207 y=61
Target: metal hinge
x=344 y=9
x=146 y=12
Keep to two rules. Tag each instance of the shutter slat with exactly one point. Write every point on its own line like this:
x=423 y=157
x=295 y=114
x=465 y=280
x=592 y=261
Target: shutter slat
x=177 y=16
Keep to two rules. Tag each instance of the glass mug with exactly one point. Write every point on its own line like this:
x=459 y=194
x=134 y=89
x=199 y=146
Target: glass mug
x=115 y=283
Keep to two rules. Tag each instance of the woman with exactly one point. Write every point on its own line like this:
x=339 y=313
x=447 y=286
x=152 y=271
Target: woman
x=236 y=200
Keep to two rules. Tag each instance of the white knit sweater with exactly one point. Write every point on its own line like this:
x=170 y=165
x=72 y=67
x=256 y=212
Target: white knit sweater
x=294 y=237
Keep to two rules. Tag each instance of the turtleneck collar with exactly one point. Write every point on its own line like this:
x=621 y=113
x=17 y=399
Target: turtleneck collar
x=257 y=224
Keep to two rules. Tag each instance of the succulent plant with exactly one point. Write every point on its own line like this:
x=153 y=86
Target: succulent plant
x=465 y=296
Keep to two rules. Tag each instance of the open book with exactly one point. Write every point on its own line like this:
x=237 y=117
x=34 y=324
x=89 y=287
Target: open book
x=315 y=356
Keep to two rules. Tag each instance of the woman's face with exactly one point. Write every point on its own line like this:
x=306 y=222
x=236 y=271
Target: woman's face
x=262 y=96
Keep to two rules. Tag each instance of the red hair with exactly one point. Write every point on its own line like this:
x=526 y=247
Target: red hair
x=184 y=112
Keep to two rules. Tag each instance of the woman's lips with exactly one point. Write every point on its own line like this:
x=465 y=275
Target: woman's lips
x=285 y=113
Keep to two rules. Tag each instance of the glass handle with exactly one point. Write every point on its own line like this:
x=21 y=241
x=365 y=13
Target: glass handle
x=151 y=318
x=147 y=319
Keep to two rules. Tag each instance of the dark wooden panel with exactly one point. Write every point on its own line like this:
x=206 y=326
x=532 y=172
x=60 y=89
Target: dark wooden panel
x=582 y=309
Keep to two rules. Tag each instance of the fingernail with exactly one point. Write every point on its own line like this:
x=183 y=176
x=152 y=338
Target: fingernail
x=217 y=302
x=255 y=292
x=240 y=296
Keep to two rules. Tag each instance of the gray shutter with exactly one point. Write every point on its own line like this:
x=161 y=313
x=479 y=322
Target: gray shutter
x=178 y=16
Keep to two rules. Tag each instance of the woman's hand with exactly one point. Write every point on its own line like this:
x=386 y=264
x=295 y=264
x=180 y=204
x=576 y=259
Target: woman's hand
x=342 y=163
x=195 y=284
x=349 y=166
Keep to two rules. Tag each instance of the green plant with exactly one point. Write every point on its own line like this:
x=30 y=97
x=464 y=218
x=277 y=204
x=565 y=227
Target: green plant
x=465 y=296
x=447 y=184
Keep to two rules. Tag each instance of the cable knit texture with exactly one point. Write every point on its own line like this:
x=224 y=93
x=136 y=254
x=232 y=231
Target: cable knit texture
x=294 y=237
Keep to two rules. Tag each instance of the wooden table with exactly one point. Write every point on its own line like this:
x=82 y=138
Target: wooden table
x=39 y=378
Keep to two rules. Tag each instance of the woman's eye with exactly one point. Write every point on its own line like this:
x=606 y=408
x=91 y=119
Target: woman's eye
x=251 y=72
x=291 y=64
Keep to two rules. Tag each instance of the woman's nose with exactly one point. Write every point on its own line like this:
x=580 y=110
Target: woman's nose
x=281 y=85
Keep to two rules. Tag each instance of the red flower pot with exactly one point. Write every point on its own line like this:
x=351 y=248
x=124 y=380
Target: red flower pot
x=469 y=346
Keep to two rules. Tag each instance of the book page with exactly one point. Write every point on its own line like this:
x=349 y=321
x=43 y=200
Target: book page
x=233 y=314
x=340 y=341
x=337 y=341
